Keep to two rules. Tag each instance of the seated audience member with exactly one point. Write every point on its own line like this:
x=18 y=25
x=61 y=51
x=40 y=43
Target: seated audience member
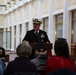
x=2 y=67
x=2 y=53
x=21 y=64
x=2 y=58
x=62 y=59
x=40 y=60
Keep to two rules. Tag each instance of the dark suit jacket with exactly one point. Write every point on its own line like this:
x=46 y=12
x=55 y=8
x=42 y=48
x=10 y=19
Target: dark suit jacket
x=20 y=64
x=32 y=37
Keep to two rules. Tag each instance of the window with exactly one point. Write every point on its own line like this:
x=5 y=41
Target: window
x=59 y=26
x=27 y=26
x=45 y=24
x=20 y=27
x=73 y=30
x=7 y=39
x=1 y=37
x=14 y=37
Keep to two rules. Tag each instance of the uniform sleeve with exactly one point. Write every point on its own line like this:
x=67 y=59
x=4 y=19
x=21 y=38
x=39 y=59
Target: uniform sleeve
x=26 y=37
x=46 y=38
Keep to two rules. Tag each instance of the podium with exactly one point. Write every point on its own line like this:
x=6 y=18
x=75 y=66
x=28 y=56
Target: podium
x=47 y=45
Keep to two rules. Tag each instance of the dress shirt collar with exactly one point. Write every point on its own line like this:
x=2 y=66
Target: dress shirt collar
x=36 y=31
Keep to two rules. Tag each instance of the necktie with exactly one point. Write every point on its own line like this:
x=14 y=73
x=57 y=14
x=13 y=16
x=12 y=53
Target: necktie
x=36 y=33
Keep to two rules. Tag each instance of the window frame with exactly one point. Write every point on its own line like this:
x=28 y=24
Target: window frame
x=58 y=23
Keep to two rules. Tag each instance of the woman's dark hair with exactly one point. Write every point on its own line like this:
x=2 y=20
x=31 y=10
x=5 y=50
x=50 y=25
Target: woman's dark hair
x=61 y=47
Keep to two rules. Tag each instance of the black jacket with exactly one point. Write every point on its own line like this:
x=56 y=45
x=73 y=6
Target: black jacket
x=20 y=64
x=32 y=37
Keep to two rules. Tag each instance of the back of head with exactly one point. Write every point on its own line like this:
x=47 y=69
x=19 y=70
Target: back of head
x=61 y=47
x=2 y=53
x=24 y=49
x=41 y=49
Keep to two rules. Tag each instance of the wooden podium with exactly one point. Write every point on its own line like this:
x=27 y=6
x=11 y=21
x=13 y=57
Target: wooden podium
x=47 y=45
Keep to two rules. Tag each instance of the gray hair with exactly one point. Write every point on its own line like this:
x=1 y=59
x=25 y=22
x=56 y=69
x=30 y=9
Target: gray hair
x=24 y=49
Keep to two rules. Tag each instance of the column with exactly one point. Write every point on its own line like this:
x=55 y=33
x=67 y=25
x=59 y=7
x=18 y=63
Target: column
x=17 y=29
x=8 y=23
x=23 y=22
x=4 y=38
x=12 y=36
x=39 y=10
x=66 y=22
x=30 y=16
x=4 y=34
x=51 y=31
x=7 y=34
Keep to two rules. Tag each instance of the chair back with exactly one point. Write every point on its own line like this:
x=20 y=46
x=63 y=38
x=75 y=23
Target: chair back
x=62 y=72
x=21 y=73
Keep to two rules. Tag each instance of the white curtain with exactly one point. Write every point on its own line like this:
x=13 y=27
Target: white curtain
x=59 y=30
x=46 y=25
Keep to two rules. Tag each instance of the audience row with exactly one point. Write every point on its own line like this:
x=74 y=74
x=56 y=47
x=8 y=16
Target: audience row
x=22 y=65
